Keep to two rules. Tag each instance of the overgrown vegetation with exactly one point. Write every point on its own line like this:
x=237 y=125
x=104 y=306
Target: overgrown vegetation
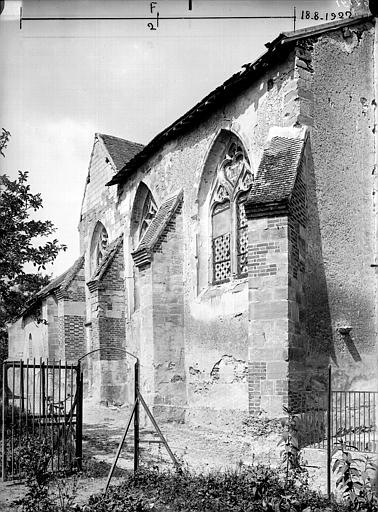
x=254 y=488
x=249 y=488
x=355 y=478
x=262 y=426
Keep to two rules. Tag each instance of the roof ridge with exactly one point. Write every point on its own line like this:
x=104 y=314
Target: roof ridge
x=118 y=138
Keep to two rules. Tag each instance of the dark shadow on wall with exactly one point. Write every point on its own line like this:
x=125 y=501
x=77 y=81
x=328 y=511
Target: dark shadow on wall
x=321 y=347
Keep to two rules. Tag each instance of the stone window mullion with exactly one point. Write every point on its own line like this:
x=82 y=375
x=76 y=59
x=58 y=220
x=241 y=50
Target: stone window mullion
x=234 y=179
x=234 y=241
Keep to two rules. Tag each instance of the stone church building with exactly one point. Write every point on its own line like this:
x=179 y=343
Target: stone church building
x=235 y=253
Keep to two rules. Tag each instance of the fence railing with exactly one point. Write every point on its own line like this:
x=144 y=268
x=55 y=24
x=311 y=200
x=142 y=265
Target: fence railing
x=42 y=408
x=352 y=418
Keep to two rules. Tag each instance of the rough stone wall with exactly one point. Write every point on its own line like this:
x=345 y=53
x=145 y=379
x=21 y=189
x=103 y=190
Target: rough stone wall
x=216 y=319
x=108 y=332
x=101 y=203
x=270 y=314
x=168 y=322
x=313 y=271
x=343 y=168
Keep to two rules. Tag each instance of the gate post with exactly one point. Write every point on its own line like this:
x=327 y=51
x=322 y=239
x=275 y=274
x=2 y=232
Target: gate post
x=79 y=417
x=3 y=426
x=329 y=433
x=136 y=417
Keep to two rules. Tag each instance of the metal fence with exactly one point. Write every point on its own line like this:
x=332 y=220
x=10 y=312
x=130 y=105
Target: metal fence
x=352 y=419
x=42 y=411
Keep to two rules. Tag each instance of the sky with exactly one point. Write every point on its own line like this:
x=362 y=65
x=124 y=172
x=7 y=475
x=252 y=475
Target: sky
x=62 y=80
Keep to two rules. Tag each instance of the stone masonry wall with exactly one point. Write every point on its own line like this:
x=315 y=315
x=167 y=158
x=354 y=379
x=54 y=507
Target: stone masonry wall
x=168 y=323
x=71 y=318
x=108 y=332
x=216 y=318
x=269 y=314
x=326 y=84
x=342 y=204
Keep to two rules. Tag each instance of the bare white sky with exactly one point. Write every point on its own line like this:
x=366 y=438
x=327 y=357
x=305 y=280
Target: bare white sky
x=62 y=81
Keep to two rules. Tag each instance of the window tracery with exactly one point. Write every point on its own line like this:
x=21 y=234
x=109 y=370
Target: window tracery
x=148 y=213
x=98 y=246
x=228 y=221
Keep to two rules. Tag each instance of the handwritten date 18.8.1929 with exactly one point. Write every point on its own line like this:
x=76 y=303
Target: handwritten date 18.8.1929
x=325 y=16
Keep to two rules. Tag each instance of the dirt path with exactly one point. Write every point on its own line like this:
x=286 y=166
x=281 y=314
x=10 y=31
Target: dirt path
x=198 y=448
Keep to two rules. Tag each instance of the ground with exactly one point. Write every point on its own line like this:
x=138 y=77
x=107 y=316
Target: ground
x=199 y=448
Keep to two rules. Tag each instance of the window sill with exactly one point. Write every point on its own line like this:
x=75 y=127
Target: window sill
x=235 y=285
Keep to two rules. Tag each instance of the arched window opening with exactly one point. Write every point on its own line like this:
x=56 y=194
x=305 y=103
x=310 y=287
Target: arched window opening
x=98 y=245
x=148 y=213
x=228 y=221
x=144 y=210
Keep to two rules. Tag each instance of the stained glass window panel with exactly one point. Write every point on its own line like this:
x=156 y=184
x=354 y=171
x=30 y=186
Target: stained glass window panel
x=221 y=228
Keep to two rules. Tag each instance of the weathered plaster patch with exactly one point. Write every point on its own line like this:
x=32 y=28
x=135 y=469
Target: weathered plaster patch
x=229 y=369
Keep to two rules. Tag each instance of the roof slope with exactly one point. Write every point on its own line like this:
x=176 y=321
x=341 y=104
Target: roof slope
x=121 y=151
x=278 y=169
x=157 y=229
x=61 y=282
x=107 y=259
x=239 y=81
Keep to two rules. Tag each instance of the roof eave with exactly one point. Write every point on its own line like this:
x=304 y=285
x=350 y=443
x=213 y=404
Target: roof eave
x=279 y=46
x=201 y=109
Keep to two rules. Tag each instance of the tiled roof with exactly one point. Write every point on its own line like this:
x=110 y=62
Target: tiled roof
x=277 y=50
x=61 y=282
x=278 y=167
x=107 y=259
x=120 y=150
x=157 y=228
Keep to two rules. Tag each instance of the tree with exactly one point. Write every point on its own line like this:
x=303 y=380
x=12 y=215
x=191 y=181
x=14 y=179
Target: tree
x=20 y=246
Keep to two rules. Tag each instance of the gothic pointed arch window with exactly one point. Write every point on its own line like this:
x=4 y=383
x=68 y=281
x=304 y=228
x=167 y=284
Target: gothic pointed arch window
x=148 y=213
x=228 y=221
x=98 y=245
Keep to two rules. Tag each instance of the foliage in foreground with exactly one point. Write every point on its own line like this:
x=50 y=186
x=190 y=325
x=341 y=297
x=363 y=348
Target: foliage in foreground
x=20 y=244
x=255 y=488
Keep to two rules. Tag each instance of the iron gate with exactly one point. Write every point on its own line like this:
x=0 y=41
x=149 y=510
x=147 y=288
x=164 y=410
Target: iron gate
x=42 y=412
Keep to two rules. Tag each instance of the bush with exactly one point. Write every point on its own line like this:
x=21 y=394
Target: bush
x=256 y=488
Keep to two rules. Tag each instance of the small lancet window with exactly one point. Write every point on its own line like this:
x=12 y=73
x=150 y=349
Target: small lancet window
x=228 y=220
